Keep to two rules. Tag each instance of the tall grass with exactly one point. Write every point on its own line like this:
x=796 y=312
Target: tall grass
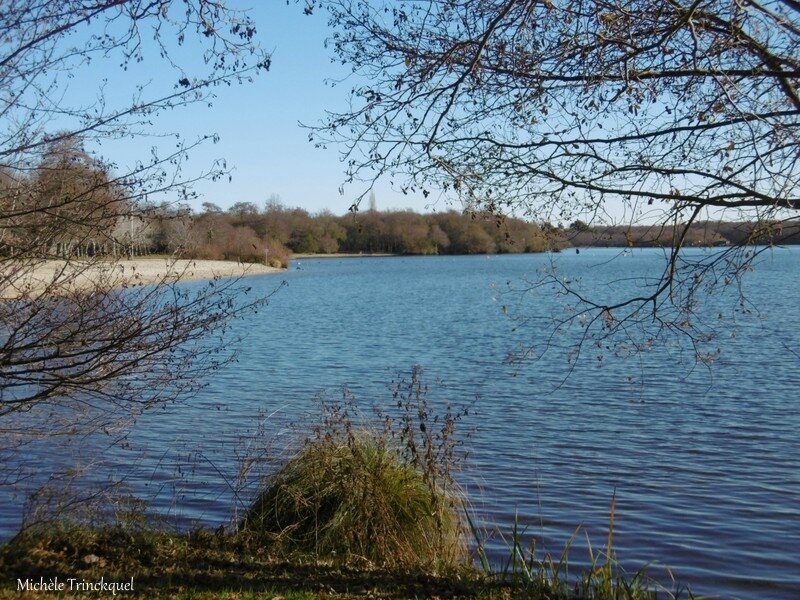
x=546 y=576
x=354 y=498
x=379 y=490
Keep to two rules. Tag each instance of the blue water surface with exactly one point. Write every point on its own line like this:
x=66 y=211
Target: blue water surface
x=703 y=460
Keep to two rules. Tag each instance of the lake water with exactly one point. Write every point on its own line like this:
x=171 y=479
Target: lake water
x=704 y=462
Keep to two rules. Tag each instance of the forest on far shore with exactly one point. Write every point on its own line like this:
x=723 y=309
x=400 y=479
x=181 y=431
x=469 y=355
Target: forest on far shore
x=245 y=232
x=109 y=219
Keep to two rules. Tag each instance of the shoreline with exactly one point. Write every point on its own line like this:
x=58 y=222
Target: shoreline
x=303 y=255
x=54 y=275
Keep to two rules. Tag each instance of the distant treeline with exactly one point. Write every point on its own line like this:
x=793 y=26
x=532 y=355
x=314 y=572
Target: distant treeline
x=704 y=233
x=245 y=232
x=69 y=205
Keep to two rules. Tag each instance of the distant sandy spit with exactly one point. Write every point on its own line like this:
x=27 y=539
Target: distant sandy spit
x=137 y=271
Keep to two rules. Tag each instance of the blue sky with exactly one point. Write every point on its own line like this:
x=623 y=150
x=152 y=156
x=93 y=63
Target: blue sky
x=260 y=137
x=257 y=123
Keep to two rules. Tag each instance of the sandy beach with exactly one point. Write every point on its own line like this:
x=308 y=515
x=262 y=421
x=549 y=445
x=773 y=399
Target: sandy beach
x=137 y=271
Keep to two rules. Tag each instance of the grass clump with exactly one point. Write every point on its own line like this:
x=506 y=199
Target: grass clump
x=357 y=498
x=380 y=493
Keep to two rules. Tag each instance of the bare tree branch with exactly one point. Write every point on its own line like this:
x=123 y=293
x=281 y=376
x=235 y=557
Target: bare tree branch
x=86 y=348
x=671 y=111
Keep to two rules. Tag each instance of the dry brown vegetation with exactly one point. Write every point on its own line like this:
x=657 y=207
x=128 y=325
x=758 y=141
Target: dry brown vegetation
x=703 y=233
x=245 y=233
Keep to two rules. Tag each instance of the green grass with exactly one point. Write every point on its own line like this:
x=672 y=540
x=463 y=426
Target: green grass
x=233 y=565
x=525 y=571
x=240 y=566
x=353 y=497
x=222 y=565
x=202 y=564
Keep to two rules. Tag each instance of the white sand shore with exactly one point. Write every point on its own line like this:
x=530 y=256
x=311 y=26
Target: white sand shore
x=137 y=271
